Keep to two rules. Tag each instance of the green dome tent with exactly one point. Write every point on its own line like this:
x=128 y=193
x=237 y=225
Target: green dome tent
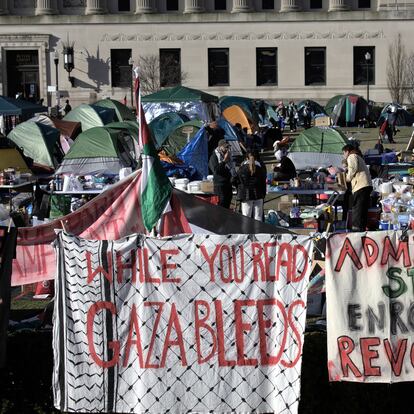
x=90 y=116
x=331 y=104
x=180 y=137
x=318 y=147
x=130 y=127
x=163 y=125
x=98 y=150
x=39 y=142
x=122 y=112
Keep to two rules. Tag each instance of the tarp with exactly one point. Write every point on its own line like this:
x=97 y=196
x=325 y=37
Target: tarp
x=97 y=150
x=39 y=142
x=10 y=106
x=404 y=118
x=211 y=324
x=122 y=112
x=349 y=110
x=369 y=294
x=90 y=116
x=234 y=114
x=318 y=147
x=163 y=125
x=195 y=153
x=179 y=94
x=67 y=128
x=181 y=136
x=116 y=213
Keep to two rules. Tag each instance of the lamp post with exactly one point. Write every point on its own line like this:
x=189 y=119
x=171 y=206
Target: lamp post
x=131 y=64
x=56 y=60
x=68 y=61
x=367 y=60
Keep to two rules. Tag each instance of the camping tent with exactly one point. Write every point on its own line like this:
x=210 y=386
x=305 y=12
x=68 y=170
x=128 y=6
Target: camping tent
x=245 y=103
x=122 y=112
x=230 y=136
x=316 y=109
x=90 y=116
x=98 y=150
x=163 y=125
x=181 y=136
x=318 y=147
x=194 y=103
x=404 y=118
x=235 y=114
x=10 y=106
x=349 y=110
x=129 y=127
x=39 y=142
x=331 y=104
x=10 y=156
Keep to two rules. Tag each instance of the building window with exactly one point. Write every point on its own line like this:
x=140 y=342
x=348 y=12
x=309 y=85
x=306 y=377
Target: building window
x=220 y=4
x=364 y=67
x=170 y=67
x=315 y=66
x=364 y=4
x=121 y=72
x=172 y=5
x=124 y=6
x=218 y=67
x=315 y=4
x=268 y=4
x=266 y=66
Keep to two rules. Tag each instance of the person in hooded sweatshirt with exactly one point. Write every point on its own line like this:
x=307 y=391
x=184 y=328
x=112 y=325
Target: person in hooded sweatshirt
x=251 y=188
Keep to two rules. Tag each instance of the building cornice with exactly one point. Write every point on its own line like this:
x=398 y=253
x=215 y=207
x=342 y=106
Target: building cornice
x=228 y=18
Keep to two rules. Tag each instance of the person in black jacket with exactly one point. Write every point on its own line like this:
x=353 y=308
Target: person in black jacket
x=251 y=189
x=284 y=169
x=222 y=168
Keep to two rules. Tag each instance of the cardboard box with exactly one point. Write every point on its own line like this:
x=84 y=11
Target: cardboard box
x=207 y=187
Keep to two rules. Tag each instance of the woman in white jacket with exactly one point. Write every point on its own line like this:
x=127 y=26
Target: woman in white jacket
x=358 y=175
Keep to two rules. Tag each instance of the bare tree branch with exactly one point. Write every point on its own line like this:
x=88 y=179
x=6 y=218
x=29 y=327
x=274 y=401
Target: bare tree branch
x=397 y=70
x=154 y=76
x=410 y=78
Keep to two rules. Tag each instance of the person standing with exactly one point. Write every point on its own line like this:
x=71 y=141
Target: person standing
x=307 y=115
x=292 y=113
x=361 y=186
x=67 y=107
x=221 y=166
x=251 y=189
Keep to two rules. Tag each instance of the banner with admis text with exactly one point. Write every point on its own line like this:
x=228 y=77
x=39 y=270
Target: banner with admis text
x=370 y=306
x=189 y=323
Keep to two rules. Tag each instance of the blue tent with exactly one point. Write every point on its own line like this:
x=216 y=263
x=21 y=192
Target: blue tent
x=163 y=125
x=195 y=153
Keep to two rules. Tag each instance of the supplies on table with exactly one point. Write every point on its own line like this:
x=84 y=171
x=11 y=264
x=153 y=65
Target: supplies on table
x=194 y=186
x=11 y=176
x=397 y=210
x=181 y=184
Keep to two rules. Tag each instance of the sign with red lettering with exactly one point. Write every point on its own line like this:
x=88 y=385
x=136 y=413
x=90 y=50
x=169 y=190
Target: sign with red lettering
x=370 y=304
x=189 y=323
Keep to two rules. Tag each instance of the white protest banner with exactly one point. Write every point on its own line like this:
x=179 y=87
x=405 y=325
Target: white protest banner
x=370 y=307
x=190 y=323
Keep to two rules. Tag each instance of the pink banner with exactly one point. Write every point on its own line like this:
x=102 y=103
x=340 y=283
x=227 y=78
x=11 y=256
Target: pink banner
x=114 y=214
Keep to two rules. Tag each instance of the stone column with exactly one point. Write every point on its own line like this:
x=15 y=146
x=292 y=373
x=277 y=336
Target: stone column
x=145 y=6
x=95 y=7
x=194 y=6
x=45 y=7
x=338 y=5
x=241 y=6
x=289 y=6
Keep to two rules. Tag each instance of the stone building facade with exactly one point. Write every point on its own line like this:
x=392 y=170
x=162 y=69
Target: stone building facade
x=272 y=49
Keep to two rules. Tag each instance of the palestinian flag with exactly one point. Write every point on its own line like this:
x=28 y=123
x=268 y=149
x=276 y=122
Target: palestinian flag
x=351 y=104
x=155 y=186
